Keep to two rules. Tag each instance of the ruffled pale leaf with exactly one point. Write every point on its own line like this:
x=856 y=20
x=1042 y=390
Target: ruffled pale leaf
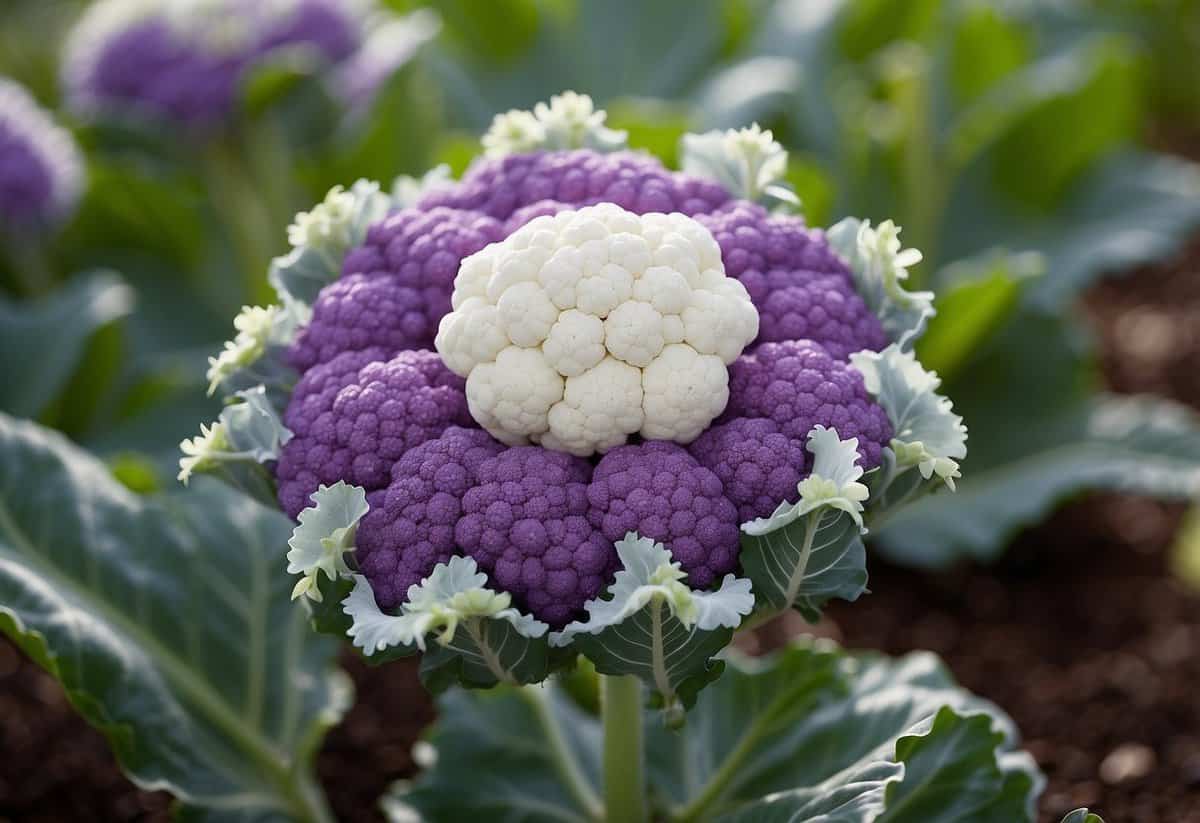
x=247 y=431
x=479 y=638
x=652 y=625
x=927 y=432
x=880 y=269
x=832 y=484
x=255 y=357
x=324 y=534
x=748 y=162
x=321 y=237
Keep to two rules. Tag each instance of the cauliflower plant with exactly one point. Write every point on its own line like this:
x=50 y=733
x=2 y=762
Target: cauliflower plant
x=583 y=328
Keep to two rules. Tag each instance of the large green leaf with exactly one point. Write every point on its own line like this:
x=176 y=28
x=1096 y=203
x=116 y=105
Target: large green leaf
x=43 y=343
x=811 y=731
x=1130 y=444
x=170 y=625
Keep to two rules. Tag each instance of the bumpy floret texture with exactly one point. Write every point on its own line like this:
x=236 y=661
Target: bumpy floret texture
x=396 y=286
x=40 y=167
x=798 y=385
x=759 y=466
x=585 y=327
x=660 y=491
x=525 y=524
x=801 y=288
x=359 y=312
x=184 y=62
x=410 y=526
x=355 y=416
x=635 y=182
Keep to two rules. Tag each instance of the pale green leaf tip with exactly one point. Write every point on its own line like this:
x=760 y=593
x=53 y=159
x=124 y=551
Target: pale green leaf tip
x=927 y=432
x=254 y=326
x=649 y=574
x=880 y=268
x=324 y=533
x=568 y=121
x=749 y=162
x=455 y=591
x=833 y=483
x=248 y=430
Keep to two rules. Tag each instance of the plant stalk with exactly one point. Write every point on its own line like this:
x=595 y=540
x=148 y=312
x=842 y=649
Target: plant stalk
x=624 y=768
x=564 y=759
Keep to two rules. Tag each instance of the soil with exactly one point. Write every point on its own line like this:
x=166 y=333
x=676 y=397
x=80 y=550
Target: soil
x=1081 y=633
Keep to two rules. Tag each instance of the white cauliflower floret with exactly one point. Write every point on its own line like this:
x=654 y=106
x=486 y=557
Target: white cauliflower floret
x=599 y=410
x=588 y=326
x=512 y=396
x=683 y=391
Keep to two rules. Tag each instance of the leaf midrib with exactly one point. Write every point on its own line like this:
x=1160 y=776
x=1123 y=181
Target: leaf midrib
x=176 y=671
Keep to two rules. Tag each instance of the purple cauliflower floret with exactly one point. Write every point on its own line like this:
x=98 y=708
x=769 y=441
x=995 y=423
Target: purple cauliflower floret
x=636 y=182
x=410 y=526
x=798 y=385
x=759 y=466
x=660 y=491
x=355 y=416
x=358 y=312
x=541 y=208
x=41 y=173
x=421 y=250
x=525 y=524
x=122 y=58
x=801 y=288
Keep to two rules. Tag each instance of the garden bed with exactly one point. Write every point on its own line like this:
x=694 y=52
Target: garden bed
x=1080 y=633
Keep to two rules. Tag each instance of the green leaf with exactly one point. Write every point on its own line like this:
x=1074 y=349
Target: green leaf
x=43 y=343
x=812 y=733
x=479 y=639
x=835 y=566
x=1130 y=444
x=813 y=716
x=1082 y=816
x=652 y=625
x=168 y=622
x=975 y=299
x=527 y=754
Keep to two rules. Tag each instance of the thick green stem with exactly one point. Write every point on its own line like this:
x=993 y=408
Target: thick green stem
x=624 y=775
x=566 y=763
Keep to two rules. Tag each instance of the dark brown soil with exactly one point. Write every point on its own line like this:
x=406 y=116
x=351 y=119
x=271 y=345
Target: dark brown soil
x=1080 y=633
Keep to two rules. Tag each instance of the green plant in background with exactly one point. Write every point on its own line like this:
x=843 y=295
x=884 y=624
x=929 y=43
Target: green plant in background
x=188 y=158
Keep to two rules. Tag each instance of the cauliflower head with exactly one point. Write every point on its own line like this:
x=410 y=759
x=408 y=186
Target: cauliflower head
x=585 y=327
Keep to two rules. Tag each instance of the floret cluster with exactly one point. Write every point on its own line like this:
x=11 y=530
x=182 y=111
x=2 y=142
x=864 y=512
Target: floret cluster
x=182 y=60
x=570 y=345
x=41 y=170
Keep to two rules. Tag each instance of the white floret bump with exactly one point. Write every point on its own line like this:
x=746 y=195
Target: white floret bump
x=585 y=327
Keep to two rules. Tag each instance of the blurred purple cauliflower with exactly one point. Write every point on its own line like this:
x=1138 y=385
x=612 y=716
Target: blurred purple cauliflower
x=410 y=527
x=798 y=385
x=183 y=62
x=801 y=288
x=758 y=465
x=635 y=182
x=660 y=491
x=41 y=172
x=355 y=416
x=525 y=524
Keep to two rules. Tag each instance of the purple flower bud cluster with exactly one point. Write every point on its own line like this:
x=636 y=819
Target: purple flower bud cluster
x=41 y=171
x=182 y=62
x=801 y=288
x=377 y=410
x=636 y=182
